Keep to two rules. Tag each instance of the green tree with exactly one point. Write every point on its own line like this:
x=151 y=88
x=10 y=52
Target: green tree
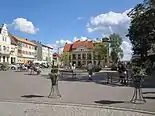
x=142 y=29
x=115 y=45
x=66 y=58
x=142 y=32
x=100 y=52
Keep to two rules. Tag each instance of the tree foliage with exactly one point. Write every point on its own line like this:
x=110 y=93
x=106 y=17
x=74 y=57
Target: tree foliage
x=66 y=58
x=142 y=29
x=115 y=45
x=100 y=51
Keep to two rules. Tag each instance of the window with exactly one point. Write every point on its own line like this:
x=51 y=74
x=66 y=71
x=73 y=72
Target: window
x=3 y=58
x=0 y=48
x=7 y=49
x=83 y=56
x=4 y=48
x=0 y=58
x=88 y=56
x=79 y=56
x=29 y=47
x=23 y=52
x=7 y=59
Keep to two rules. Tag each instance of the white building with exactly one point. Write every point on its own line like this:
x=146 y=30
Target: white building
x=47 y=53
x=14 y=49
x=5 y=44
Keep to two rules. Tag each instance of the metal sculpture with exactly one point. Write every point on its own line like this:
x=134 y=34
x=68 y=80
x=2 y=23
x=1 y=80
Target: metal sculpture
x=54 y=77
x=138 y=95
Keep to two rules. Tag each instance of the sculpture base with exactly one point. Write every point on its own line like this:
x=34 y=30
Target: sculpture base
x=138 y=96
x=54 y=92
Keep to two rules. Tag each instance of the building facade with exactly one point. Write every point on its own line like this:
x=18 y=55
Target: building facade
x=5 y=44
x=14 y=49
x=26 y=50
x=82 y=53
x=47 y=53
x=38 y=50
x=44 y=52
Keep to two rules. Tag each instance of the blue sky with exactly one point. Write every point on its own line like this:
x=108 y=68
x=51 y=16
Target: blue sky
x=58 y=19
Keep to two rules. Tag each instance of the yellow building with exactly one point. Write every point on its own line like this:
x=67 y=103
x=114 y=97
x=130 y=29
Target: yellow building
x=26 y=50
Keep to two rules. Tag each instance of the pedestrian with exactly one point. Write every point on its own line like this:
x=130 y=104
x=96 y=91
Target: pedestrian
x=122 y=72
x=90 y=70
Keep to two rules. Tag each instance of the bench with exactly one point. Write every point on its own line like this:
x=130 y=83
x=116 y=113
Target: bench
x=68 y=72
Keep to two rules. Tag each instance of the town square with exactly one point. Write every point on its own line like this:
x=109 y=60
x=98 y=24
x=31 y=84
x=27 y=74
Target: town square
x=77 y=58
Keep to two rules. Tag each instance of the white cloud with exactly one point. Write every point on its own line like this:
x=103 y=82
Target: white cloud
x=80 y=18
x=112 y=22
x=60 y=44
x=24 y=25
x=127 y=50
x=82 y=38
x=109 y=23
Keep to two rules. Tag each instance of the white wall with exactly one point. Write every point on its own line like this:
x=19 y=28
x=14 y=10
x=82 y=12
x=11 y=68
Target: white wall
x=46 y=52
x=5 y=44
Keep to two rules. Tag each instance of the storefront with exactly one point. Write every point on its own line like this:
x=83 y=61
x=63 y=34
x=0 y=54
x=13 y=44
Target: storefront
x=4 y=58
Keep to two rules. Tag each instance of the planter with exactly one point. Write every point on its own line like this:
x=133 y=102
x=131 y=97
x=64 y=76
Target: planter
x=137 y=84
x=54 y=93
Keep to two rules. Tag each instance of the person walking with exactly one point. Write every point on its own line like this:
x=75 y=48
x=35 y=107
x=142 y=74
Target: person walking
x=90 y=70
x=122 y=73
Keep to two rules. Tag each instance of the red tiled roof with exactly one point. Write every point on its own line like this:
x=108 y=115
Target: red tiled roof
x=67 y=47
x=88 y=44
x=76 y=44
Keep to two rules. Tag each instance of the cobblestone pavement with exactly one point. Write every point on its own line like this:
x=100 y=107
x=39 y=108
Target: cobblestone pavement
x=19 y=86
x=29 y=109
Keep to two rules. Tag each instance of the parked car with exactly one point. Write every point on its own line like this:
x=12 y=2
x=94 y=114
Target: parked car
x=18 y=66
x=14 y=66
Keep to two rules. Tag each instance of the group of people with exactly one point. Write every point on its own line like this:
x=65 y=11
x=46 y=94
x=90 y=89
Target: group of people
x=122 y=69
x=33 y=68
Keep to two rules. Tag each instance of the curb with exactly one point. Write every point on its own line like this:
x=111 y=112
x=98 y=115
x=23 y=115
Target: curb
x=79 y=105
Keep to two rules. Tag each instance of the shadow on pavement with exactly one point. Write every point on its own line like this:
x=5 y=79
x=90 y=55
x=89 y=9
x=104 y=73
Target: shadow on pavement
x=31 y=96
x=149 y=97
x=113 y=84
x=148 y=92
x=108 y=102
